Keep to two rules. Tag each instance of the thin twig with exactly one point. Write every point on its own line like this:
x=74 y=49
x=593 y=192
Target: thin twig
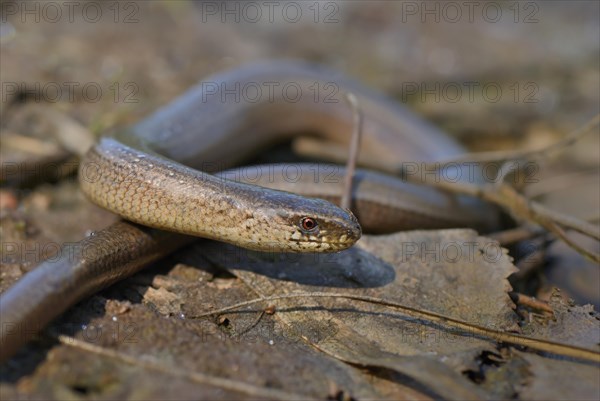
x=357 y=119
x=504 y=155
x=509 y=199
x=173 y=371
x=517 y=234
x=549 y=219
x=530 y=302
x=510 y=338
x=250 y=326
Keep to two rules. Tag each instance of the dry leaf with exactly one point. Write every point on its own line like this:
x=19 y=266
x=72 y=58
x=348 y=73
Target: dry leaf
x=453 y=272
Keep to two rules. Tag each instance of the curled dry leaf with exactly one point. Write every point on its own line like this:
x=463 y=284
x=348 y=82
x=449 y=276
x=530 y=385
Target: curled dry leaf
x=452 y=272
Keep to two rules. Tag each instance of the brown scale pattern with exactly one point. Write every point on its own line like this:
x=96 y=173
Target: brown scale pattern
x=162 y=194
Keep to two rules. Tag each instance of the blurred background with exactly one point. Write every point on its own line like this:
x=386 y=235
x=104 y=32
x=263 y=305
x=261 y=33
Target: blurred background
x=486 y=71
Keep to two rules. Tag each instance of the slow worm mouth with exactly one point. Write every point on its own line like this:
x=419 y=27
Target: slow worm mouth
x=333 y=243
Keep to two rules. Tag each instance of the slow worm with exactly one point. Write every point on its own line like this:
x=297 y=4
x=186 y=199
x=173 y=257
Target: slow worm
x=158 y=174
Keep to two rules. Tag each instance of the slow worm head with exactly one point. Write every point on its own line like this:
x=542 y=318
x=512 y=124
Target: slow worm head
x=149 y=189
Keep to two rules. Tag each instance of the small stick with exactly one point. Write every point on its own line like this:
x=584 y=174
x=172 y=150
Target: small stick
x=505 y=155
x=497 y=335
x=530 y=302
x=514 y=235
x=509 y=199
x=250 y=326
x=353 y=151
x=157 y=365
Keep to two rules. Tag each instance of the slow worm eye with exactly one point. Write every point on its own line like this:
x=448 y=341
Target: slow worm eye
x=308 y=224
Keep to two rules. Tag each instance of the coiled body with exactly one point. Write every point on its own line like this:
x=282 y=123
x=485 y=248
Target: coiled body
x=157 y=172
x=148 y=175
